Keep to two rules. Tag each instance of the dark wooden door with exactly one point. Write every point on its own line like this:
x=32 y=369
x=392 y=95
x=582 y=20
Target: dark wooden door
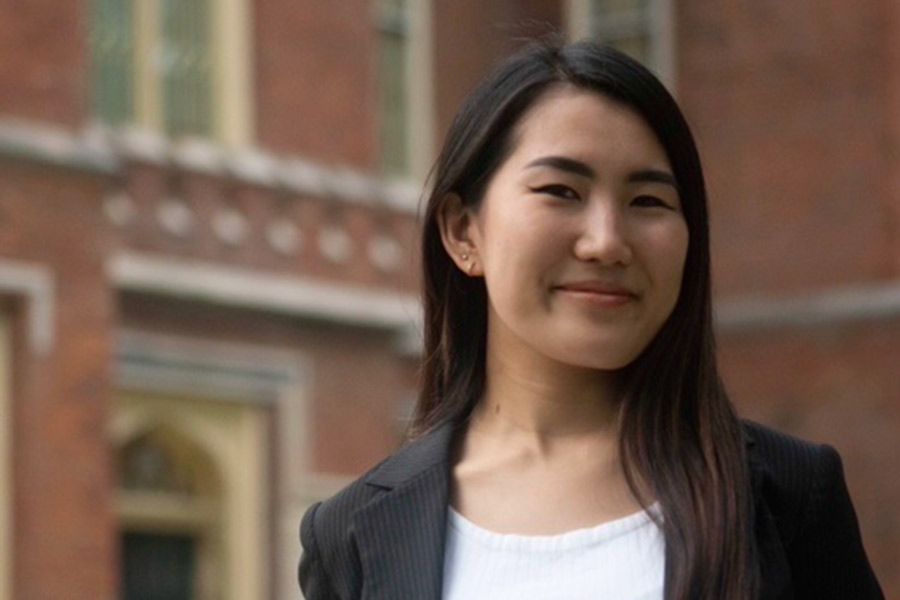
x=157 y=566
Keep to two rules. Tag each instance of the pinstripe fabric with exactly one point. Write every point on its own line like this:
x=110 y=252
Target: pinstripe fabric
x=806 y=528
x=382 y=537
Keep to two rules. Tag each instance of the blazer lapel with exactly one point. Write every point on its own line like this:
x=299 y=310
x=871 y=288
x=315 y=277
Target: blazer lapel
x=406 y=525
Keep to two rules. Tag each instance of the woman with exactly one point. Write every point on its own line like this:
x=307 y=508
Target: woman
x=572 y=438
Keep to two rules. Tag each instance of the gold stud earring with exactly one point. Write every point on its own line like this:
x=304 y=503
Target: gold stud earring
x=465 y=257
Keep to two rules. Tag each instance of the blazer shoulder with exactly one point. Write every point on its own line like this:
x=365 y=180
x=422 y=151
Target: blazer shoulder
x=404 y=464
x=330 y=520
x=803 y=485
x=327 y=532
x=329 y=565
x=785 y=455
x=791 y=475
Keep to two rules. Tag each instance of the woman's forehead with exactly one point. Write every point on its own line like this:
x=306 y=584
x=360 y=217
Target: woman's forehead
x=586 y=126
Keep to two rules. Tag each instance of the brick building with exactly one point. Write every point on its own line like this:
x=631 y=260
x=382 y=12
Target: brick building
x=207 y=255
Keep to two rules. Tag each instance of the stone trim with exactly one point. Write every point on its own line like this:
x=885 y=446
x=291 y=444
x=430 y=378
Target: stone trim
x=36 y=284
x=7 y=482
x=829 y=307
x=284 y=294
x=55 y=146
x=102 y=150
x=244 y=373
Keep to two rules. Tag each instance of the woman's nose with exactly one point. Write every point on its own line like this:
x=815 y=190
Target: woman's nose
x=603 y=237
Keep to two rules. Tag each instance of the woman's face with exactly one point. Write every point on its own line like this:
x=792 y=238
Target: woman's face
x=580 y=236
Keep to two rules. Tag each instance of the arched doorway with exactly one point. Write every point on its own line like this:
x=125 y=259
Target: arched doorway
x=193 y=475
x=170 y=512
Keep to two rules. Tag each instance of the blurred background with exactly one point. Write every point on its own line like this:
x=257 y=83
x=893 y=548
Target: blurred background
x=208 y=285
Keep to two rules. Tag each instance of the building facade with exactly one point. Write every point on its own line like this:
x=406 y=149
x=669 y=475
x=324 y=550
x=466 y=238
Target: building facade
x=208 y=280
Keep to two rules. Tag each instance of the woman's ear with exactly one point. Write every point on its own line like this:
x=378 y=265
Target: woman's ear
x=460 y=234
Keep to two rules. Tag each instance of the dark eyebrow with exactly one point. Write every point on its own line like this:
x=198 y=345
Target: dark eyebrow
x=563 y=164
x=579 y=168
x=653 y=176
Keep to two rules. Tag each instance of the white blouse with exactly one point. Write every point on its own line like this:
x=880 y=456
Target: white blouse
x=622 y=559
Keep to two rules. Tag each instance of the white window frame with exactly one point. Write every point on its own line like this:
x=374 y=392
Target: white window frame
x=6 y=466
x=232 y=77
x=662 y=34
x=419 y=90
x=33 y=286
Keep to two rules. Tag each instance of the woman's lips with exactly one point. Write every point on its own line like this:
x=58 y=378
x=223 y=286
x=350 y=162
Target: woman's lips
x=598 y=293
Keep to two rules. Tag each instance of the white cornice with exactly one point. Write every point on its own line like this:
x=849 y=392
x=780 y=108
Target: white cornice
x=56 y=146
x=847 y=304
x=297 y=296
x=103 y=150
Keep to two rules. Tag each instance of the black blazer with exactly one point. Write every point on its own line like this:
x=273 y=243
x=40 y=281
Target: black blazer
x=382 y=537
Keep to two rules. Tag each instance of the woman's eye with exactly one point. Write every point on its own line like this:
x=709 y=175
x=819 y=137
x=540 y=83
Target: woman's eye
x=650 y=202
x=557 y=190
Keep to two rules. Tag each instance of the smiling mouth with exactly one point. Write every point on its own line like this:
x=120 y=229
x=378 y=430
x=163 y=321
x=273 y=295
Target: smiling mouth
x=601 y=295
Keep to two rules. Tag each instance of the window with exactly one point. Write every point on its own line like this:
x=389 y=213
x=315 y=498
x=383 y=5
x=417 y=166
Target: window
x=160 y=64
x=640 y=28
x=405 y=87
x=395 y=26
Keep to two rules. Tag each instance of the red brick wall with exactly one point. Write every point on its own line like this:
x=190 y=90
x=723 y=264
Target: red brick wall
x=62 y=493
x=788 y=102
x=42 y=61
x=316 y=79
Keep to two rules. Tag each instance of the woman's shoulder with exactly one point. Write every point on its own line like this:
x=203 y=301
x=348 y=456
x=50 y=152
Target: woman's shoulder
x=782 y=452
x=414 y=457
x=792 y=475
x=330 y=560
x=801 y=486
x=789 y=467
x=329 y=565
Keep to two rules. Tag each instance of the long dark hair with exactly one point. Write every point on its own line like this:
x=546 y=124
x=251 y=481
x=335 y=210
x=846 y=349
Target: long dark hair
x=679 y=436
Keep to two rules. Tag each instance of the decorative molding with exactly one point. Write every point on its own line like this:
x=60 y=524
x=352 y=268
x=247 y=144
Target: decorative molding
x=385 y=253
x=192 y=367
x=198 y=155
x=175 y=217
x=284 y=237
x=134 y=143
x=56 y=146
x=253 y=166
x=37 y=285
x=230 y=227
x=119 y=208
x=103 y=150
x=335 y=245
x=835 y=306
x=296 y=296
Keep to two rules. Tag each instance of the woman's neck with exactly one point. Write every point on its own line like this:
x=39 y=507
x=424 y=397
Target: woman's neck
x=538 y=401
